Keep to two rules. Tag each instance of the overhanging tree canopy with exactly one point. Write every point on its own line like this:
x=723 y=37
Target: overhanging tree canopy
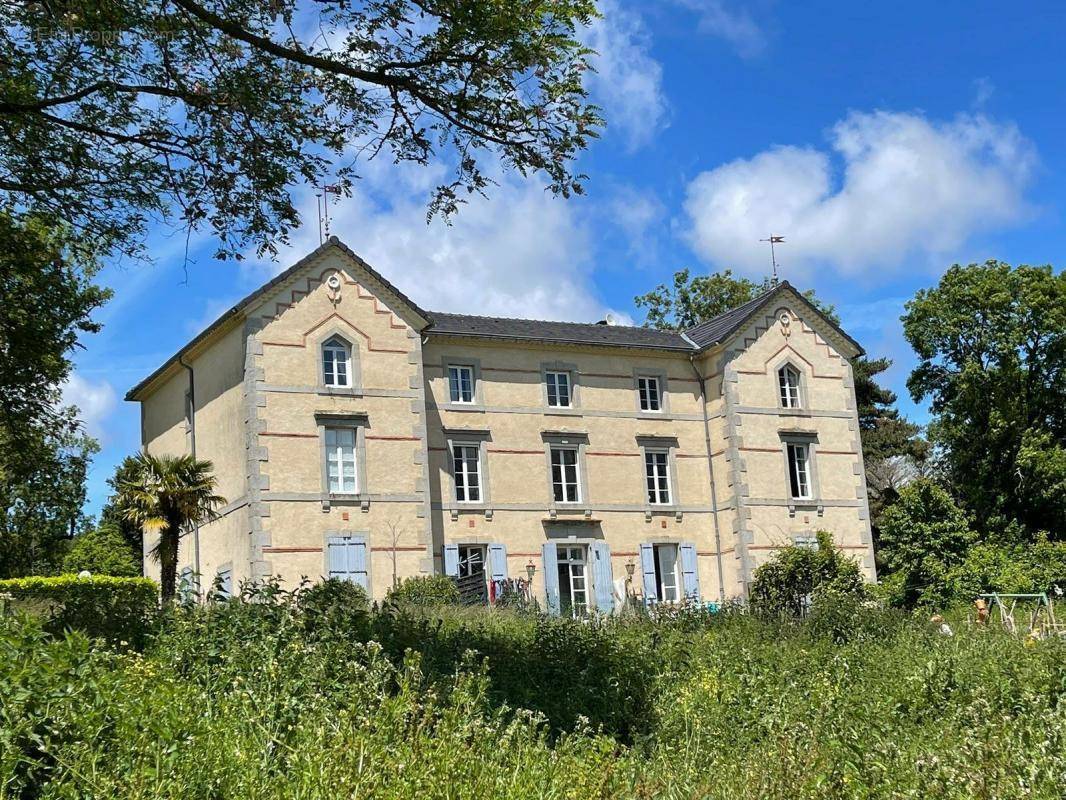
x=114 y=112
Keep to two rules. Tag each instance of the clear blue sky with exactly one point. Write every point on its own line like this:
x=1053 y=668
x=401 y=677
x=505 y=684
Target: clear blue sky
x=884 y=143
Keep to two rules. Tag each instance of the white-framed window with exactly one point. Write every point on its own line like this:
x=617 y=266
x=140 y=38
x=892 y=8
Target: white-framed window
x=559 y=392
x=340 y=461
x=799 y=470
x=573 y=570
x=806 y=542
x=657 y=476
x=467 y=464
x=461 y=383
x=648 y=393
x=336 y=362
x=566 y=481
x=788 y=384
x=667 y=573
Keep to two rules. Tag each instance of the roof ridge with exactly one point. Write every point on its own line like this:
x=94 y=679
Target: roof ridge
x=537 y=319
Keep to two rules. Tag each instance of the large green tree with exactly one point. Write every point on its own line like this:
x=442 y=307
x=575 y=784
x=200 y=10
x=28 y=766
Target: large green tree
x=115 y=113
x=991 y=343
x=41 y=502
x=924 y=536
x=166 y=495
x=46 y=301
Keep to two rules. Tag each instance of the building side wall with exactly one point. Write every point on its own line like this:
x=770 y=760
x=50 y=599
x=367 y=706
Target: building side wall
x=218 y=371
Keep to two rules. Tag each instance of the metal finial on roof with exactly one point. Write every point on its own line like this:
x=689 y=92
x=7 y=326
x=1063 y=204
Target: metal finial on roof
x=773 y=256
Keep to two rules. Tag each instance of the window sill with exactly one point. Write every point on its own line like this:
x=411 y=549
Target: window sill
x=339 y=391
x=345 y=499
x=805 y=504
x=662 y=510
x=461 y=407
x=463 y=507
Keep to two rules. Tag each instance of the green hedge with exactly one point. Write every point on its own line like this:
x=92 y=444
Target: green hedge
x=120 y=610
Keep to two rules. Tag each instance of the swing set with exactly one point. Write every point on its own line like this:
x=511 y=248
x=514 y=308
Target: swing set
x=1036 y=609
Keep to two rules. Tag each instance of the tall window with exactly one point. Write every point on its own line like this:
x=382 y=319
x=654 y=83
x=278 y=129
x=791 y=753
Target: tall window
x=667 y=573
x=657 y=475
x=799 y=469
x=573 y=579
x=788 y=382
x=461 y=384
x=467 y=459
x=558 y=384
x=340 y=460
x=648 y=393
x=336 y=362
x=566 y=486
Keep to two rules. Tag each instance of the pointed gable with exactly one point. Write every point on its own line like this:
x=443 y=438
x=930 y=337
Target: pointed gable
x=285 y=290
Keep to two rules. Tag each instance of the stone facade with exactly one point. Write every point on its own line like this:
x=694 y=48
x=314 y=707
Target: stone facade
x=261 y=410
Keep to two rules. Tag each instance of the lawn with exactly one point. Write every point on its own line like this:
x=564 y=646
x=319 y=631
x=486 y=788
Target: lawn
x=273 y=700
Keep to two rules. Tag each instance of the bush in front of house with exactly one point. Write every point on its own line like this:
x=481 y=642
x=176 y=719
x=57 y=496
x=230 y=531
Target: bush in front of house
x=795 y=576
x=334 y=607
x=119 y=610
x=425 y=590
x=102 y=551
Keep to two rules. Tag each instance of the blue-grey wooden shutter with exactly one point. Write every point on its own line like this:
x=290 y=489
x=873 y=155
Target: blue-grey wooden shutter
x=690 y=576
x=357 y=562
x=497 y=561
x=451 y=560
x=602 y=577
x=551 y=578
x=337 y=547
x=347 y=559
x=647 y=568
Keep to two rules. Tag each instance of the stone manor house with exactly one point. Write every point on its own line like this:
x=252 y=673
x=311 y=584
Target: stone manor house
x=357 y=435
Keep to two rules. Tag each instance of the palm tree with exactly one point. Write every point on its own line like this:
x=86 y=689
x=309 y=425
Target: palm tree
x=164 y=495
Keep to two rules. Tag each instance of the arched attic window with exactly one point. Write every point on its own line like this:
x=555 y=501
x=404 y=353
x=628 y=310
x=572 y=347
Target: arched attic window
x=336 y=362
x=788 y=384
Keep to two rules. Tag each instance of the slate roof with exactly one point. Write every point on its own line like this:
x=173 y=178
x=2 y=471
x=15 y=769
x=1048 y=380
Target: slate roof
x=715 y=329
x=557 y=332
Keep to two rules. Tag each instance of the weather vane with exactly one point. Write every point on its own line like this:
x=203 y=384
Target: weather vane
x=323 y=208
x=773 y=256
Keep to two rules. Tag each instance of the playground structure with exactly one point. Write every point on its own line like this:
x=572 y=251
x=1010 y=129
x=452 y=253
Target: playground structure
x=1039 y=611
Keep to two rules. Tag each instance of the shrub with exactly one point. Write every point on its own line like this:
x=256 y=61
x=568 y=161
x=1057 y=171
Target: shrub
x=119 y=610
x=425 y=590
x=924 y=534
x=334 y=607
x=795 y=575
x=102 y=551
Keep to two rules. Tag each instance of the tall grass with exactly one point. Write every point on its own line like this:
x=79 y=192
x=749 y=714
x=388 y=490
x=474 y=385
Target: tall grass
x=261 y=700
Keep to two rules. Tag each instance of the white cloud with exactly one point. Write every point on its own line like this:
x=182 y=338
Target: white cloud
x=639 y=214
x=735 y=25
x=521 y=252
x=95 y=401
x=627 y=83
x=908 y=186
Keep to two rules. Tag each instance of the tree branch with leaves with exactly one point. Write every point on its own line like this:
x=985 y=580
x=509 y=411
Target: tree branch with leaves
x=116 y=113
